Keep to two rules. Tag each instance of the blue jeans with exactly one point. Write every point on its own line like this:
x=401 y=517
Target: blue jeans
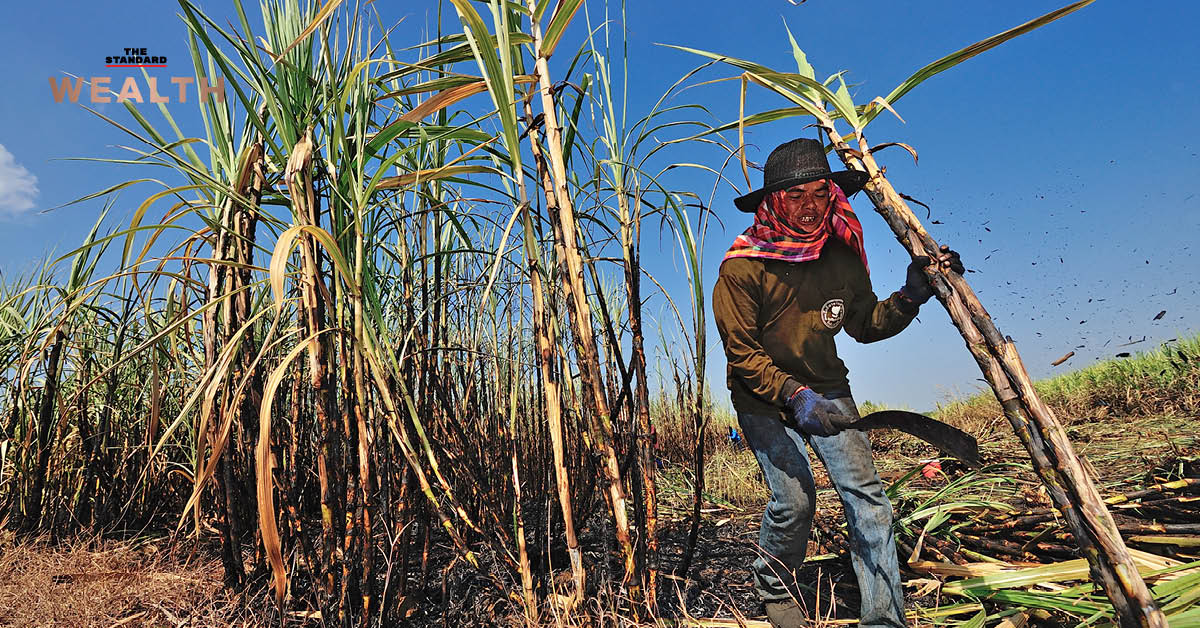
x=787 y=520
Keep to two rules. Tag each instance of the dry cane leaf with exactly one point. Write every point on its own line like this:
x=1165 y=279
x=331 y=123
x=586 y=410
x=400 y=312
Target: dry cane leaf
x=911 y=151
x=928 y=211
x=879 y=100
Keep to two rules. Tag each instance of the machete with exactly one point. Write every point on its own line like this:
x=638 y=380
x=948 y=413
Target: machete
x=949 y=439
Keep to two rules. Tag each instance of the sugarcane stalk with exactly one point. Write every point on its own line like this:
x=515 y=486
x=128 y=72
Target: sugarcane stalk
x=45 y=419
x=561 y=208
x=1156 y=489
x=1178 y=499
x=686 y=404
x=366 y=471
x=313 y=320
x=631 y=235
x=518 y=516
x=1053 y=458
x=1160 y=528
x=943 y=550
x=229 y=277
x=544 y=332
x=998 y=547
x=1013 y=523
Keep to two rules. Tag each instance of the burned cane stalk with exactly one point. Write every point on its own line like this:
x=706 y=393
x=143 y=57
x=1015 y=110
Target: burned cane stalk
x=561 y=207
x=544 y=333
x=1034 y=423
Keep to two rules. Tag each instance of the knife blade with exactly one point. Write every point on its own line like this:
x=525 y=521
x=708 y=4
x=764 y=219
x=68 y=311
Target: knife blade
x=947 y=438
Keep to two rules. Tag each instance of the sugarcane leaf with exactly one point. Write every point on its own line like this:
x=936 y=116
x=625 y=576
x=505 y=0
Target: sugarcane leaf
x=461 y=51
x=264 y=462
x=388 y=183
x=911 y=151
x=497 y=76
x=753 y=119
x=323 y=14
x=808 y=106
x=894 y=489
x=1178 y=585
x=1049 y=601
x=845 y=105
x=978 y=621
x=957 y=57
x=563 y=14
x=140 y=212
x=879 y=101
x=803 y=67
x=1185 y=619
x=108 y=190
x=761 y=70
x=443 y=99
x=283 y=250
x=788 y=85
x=1185 y=599
x=573 y=119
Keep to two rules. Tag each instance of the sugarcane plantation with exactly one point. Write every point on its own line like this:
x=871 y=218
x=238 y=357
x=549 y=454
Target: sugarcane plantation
x=596 y=313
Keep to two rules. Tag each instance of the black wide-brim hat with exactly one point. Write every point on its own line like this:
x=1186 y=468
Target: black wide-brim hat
x=799 y=161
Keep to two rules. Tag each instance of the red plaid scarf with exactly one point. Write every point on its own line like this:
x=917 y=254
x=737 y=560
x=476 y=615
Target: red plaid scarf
x=771 y=237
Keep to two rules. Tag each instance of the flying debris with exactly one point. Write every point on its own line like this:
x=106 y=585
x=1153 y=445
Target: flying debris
x=1160 y=315
x=1063 y=359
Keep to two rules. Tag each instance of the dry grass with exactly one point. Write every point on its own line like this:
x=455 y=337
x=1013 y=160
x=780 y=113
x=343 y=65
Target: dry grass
x=733 y=477
x=110 y=583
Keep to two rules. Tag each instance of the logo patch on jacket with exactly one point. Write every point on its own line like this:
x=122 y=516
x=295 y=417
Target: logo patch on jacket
x=833 y=312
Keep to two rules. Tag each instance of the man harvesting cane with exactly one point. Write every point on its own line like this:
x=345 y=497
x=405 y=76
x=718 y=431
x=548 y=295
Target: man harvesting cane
x=788 y=284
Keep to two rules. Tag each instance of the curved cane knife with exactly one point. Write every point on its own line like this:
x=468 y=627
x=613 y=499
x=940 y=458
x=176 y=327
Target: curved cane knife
x=950 y=440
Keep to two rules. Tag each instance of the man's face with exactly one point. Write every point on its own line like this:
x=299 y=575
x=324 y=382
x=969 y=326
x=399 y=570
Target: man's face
x=805 y=205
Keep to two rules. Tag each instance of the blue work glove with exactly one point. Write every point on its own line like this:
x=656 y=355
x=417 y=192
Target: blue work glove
x=916 y=284
x=817 y=416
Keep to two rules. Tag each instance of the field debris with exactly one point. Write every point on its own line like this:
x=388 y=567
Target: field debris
x=1066 y=357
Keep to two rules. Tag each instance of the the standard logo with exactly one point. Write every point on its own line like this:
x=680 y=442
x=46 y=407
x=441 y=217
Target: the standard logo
x=101 y=92
x=833 y=312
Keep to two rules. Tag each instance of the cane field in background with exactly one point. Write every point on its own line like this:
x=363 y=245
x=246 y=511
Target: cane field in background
x=372 y=348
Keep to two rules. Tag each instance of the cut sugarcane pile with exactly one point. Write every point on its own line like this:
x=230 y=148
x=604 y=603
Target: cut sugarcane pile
x=994 y=563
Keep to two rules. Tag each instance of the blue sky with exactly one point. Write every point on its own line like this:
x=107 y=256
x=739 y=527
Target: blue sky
x=1061 y=165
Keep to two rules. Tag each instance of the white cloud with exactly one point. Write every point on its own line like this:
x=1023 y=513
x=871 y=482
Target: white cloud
x=18 y=186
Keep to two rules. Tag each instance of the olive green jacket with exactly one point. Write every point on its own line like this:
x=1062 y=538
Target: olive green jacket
x=778 y=319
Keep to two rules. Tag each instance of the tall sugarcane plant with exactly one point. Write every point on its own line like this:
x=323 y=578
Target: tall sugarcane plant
x=380 y=274
x=829 y=102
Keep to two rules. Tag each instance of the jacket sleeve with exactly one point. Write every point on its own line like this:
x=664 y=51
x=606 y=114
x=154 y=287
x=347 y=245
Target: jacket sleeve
x=868 y=319
x=736 y=301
